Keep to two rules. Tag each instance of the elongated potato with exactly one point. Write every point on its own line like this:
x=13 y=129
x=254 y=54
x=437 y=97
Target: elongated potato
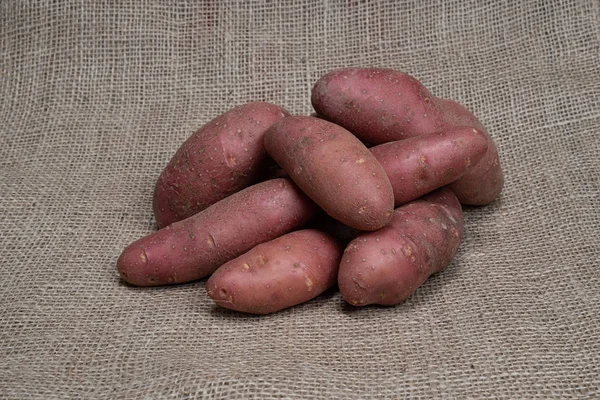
x=222 y=157
x=282 y=273
x=387 y=266
x=377 y=105
x=419 y=165
x=382 y=105
x=334 y=169
x=195 y=247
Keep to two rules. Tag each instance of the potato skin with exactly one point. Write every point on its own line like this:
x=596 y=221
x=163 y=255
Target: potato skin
x=334 y=169
x=377 y=105
x=484 y=182
x=387 y=266
x=222 y=157
x=282 y=273
x=196 y=246
x=381 y=105
x=419 y=165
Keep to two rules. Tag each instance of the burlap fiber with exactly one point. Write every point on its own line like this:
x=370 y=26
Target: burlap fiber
x=95 y=97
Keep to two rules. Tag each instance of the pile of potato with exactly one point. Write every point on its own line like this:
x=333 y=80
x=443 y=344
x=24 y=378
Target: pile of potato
x=366 y=193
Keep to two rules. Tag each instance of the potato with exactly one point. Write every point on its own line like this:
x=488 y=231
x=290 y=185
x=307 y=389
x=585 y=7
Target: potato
x=282 y=273
x=377 y=105
x=334 y=169
x=222 y=157
x=195 y=247
x=387 y=266
x=419 y=165
x=383 y=105
x=484 y=182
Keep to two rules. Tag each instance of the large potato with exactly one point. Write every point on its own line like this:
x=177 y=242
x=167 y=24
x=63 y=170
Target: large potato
x=419 y=165
x=282 y=273
x=382 y=105
x=222 y=157
x=195 y=247
x=334 y=169
x=387 y=266
x=377 y=105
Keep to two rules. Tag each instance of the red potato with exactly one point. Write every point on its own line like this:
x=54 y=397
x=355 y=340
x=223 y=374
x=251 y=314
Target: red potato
x=222 y=157
x=387 y=266
x=282 y=273
x=195 y=247
x=377 y=105
x=419 y=165
x=483 y=183
x=334 y=169
x=382 y=105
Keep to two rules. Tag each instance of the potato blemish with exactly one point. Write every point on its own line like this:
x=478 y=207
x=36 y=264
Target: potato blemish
x=309 y=284
x=143 y=257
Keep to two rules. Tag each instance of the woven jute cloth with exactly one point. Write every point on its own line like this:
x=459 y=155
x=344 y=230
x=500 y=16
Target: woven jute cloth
x=95 y=98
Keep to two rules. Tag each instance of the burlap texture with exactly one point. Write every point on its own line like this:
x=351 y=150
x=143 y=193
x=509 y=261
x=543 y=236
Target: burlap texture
x=95 y=97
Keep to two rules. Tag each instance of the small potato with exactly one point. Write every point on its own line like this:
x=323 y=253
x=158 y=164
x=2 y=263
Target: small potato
x=282 y=273
x=334 y=169
x=419 y=165
x=387 y=266
x=196 y=246
x=383 y=105
x=222 y=157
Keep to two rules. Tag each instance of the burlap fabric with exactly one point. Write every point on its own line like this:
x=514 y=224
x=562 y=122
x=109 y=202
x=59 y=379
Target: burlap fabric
x=95 y=97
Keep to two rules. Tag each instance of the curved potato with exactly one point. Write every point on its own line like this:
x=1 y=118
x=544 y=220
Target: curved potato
x=222 y=157
x=334 y=169
x=196 y=246
x=282 y=273
x=387 y=266
x=419 y=165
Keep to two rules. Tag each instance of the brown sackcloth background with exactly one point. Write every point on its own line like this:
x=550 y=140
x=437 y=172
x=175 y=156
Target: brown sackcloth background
x=95 y=97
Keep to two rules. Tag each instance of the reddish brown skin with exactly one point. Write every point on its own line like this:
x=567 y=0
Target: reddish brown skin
x=484 y=182
x=387 y=266
x=222 y=157
x=382 y=105
x=195 y=247
x=419 y=165
x=334 y=169
x=282 y=273
x=377 y=105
